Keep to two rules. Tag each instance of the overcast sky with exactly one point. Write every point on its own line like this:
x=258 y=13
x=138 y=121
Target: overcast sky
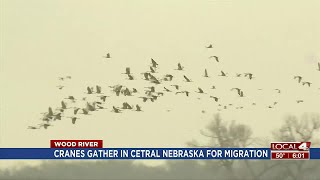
x=44 y=40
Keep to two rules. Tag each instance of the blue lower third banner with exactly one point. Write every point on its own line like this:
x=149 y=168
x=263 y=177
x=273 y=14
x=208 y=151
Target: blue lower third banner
x=142 y=153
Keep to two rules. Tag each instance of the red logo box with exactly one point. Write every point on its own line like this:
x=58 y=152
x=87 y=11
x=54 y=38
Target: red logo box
x=76 y=143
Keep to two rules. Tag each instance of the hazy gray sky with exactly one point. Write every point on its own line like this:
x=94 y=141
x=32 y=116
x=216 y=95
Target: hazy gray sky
x=42 y=40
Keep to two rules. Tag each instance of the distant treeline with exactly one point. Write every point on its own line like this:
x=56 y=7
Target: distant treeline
x=220 y=134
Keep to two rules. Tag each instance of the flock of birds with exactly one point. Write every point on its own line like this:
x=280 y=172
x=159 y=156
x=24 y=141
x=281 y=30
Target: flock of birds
x=161 y=85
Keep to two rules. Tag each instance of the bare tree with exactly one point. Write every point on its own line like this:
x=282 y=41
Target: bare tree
x=224 y=135
x=233 y=135
x=294 y=130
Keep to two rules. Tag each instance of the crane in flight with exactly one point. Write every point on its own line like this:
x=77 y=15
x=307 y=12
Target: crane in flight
x=166 y=89
x=107 y=56
x=241 y=94
x=169 y=76
x=154 y=63
x=215 y=98
x=33 y=127
x=130 y=77
x=200 y=91
x=298 y=77
x=152 y=70
x=85 y=111
x=187 y=79
x=89 y=90
x=238 y=90
x=98 y=89
x=75 y=110
x=116 y=110
x=138 y=108
x=71 y=98
x=63 y=106
x=279 y=91
x=73 y=119
x=223 y=74
x=299 y=101
x=103 y=98
x=45 y=125
x=307 y=83
x=176 y=86
x=60 y=87
x=205 y=73
x=215 y=57
x=250 y=75
x=180 y=67
x=127 y=70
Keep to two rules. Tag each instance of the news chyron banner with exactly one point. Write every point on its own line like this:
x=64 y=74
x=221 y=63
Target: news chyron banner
x=93 y=149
